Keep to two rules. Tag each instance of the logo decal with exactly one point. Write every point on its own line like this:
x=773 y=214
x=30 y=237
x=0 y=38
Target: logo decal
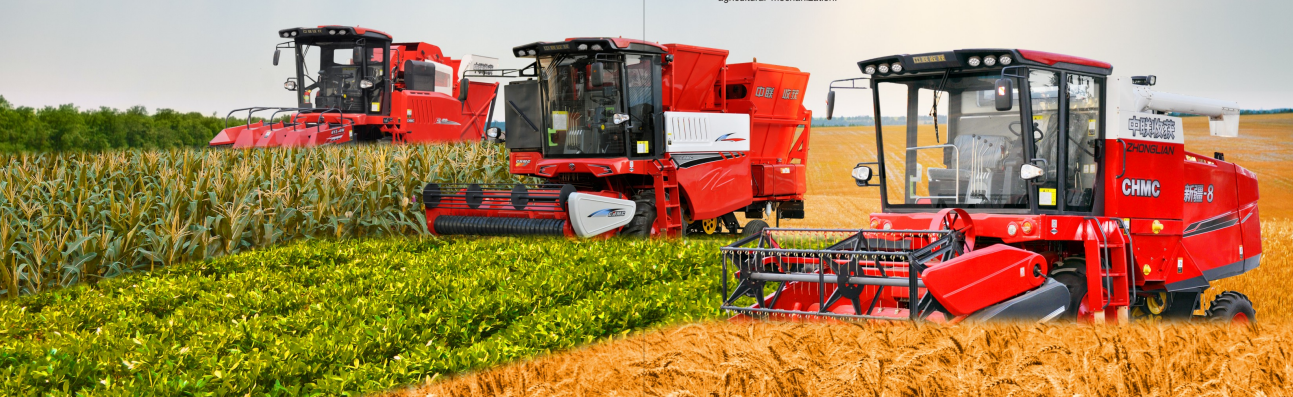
x=1196 y=194
x=1151 y=148
x=522 y=162
x=1140 y=187
x=608 y=213
x=729 y=138
x=1146 y=127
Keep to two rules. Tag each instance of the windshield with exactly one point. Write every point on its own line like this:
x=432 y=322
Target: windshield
x=332 y=74
x=946 y=145
x=582 y=107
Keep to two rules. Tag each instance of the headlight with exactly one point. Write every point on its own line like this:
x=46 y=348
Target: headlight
x=597 y=47
x=989 y=60
x=520 y=53
x=583 y=47
x=284 y=34
x=531 y=52
x=332 y=32
x=365 y=84
x=1005 y=60
x=870 y=69
x=974 y=62
x=294 y=33
x=290 y=85
x=896 y=68
x=884 y=68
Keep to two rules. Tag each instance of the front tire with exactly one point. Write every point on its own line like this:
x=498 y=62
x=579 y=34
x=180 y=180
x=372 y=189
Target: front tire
x=643 y=217
x=753 y=227
x=1232 y=307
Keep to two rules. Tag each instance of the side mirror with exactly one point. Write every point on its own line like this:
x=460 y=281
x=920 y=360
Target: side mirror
x=862 y=175
x=462 y=90
x=595 y=74
x=494 y=134
x=1005 y=94
x=1029 y=172
x=357 y=58
x=830 y=104
x=275 y=57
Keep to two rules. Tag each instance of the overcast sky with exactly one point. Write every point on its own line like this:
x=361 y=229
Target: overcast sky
x=215 y=56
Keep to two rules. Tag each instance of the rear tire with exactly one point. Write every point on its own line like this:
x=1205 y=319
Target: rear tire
x=1232 y=307
x=643 y=217
x=753 y=227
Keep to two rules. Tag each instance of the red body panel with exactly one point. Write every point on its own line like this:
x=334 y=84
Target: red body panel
x=1052 y=59
x=780 y=179
x=984 y=277
x=717 y=188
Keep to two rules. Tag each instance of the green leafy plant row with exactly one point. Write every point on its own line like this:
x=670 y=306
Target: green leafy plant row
x=338 y=317
x=72 y=217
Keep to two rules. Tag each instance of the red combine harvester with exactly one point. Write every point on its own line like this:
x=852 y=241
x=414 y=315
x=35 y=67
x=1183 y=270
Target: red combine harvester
x=639 y=139
x=1052 y=190
x=367 y=89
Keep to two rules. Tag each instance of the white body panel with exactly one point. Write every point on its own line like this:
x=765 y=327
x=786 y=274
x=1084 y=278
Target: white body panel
x=443 y=78
x=476 y=62
x=1223 y=116
x=706 y=132
x=591 y=215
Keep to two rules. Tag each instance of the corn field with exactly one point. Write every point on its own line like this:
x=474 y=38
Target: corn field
x=79 y=217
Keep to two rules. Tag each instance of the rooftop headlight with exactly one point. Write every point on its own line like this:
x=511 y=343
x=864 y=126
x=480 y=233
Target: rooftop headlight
x=884 y=68
x=332 y=32
x=1006 y=60
x=989 y=60
x=870 y=69
x=583 y=47
x=531 y=53
x=293 y=33
x=520 y=53
x=284 y=34
x=597 y=47
x=896 y=68
x=974 y=62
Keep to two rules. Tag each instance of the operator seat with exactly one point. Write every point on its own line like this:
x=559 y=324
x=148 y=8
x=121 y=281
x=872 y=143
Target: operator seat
x=976 y=158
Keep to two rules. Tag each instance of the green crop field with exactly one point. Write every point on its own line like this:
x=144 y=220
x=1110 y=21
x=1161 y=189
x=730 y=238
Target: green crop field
x=346 y=317
x=67 y=218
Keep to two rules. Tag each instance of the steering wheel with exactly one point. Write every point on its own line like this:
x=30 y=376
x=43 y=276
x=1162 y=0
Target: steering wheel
x=959 y=222
x=1018 y=133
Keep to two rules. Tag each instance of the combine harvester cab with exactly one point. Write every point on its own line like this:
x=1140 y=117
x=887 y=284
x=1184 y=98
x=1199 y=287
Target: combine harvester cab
x=353 y=85
x=639 y=139
x=1052 y=190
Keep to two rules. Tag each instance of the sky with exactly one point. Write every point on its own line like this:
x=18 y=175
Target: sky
x=211 y=57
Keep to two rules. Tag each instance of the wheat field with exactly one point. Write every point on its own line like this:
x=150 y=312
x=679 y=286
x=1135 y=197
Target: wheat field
x=721 y=358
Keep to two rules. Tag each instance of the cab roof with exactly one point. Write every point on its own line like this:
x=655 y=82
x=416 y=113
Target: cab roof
x=335 y=31
x=961 y=59
x=586 y=44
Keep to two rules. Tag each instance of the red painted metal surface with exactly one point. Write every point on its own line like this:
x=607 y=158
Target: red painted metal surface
x=984 y=277
x=1053 y=58
x=780 y=179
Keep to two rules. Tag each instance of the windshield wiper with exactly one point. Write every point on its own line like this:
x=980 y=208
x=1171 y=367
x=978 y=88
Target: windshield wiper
x=938 y=93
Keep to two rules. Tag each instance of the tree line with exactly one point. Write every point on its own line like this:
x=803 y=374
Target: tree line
x=66 y=127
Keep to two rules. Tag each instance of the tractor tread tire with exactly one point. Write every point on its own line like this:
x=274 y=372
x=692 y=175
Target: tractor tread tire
x=753 y=227
x=1228 y=304
x=1075 y=280
x=643 y=217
